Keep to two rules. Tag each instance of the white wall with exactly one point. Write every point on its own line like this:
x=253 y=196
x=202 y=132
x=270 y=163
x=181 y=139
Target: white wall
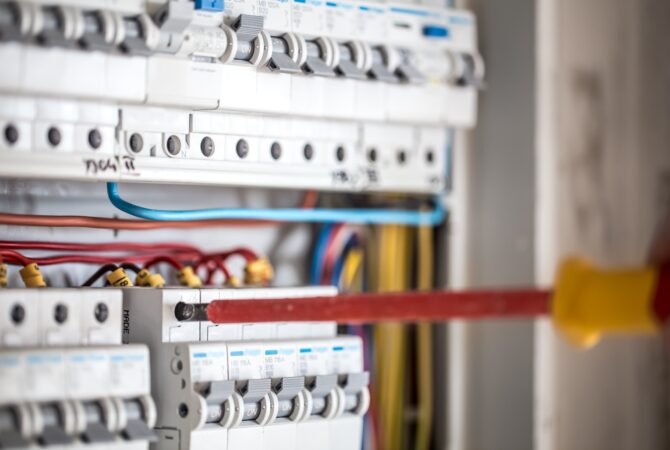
x=603 y=166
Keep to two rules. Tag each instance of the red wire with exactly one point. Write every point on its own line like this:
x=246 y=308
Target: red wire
x=212 y=263
x=244 y=252
x=223 y=268
x=102 y=247
x=329 y=255
x=163 y=259
x=13 y=257
x=308 y=202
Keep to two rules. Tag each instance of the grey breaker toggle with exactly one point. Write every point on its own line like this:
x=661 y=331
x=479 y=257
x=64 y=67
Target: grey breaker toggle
x=357 y=395
x=280 y=60
x=347 y=65
x=11 y=20
x=54 y=23
x=229 y=403
x=70 y=27
x=379 y=70
x=333 y=395
x=60 y=423
x=140 y=35
x=247 y=41
x=316 y=59
x=406 y=70
x=99 y=32
x=172 y=20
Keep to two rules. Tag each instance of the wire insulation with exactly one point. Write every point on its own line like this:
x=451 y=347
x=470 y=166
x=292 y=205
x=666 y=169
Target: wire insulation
x=29 y=220
x=362 y=216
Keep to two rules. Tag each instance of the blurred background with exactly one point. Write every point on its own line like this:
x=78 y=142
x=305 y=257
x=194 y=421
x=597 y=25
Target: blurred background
x=571 y=155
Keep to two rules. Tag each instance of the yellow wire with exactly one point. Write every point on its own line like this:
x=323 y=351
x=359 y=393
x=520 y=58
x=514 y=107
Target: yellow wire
x=384 y=340
x=391 y=337
x=424 y=344
x=351 y=272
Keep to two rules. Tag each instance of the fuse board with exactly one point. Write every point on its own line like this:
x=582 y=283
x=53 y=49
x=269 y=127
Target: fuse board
x=289 y=110
x=348 y=95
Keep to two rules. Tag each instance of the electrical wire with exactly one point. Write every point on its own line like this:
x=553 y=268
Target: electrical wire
x=12 y=257
x=362 y=216
x=100 y=247
x=163 y=259
x=338 y=266
x=248 y=254
x=29 y=220
x=98 y=273
x=390 y=338
x=424 y=344
x=130 y=267
x=316 y=266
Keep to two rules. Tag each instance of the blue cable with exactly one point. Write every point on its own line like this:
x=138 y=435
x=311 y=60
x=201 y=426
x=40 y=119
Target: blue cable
x=360 y=216
x=319 y=251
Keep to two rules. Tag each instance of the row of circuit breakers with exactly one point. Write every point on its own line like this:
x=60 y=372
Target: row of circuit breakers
x=114 y=369
x=327 y=94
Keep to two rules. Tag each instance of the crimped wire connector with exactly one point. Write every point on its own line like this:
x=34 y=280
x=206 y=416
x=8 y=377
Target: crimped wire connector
x=187 y=277
x=147 y=279
x=31 y=276
x=258 y=272
x=119 y=278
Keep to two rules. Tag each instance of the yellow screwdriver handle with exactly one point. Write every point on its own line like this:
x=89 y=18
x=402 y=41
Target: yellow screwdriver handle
x=589 y=301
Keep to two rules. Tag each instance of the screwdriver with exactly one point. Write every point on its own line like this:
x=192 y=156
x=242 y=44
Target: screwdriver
x=586 y=302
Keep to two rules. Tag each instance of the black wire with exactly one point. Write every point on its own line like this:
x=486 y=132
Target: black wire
x=100 y=272
x=132 y=267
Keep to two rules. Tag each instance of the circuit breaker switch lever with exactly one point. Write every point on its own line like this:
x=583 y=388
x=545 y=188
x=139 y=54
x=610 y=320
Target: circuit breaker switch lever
x=357 y=395
x=248 y=26
x=260 y=403
x=319 y=55
x=285 y=54
x=14 y=427
x=287 y=391
x=406 y=69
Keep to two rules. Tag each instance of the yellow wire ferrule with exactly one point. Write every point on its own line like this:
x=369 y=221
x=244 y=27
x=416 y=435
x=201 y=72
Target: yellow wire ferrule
x=145 y=278
x=31 y=276
x=258 y=272
x=4 y=275
x=589 y=302
x=187 y=277
x=233 y=281
x=119 y=278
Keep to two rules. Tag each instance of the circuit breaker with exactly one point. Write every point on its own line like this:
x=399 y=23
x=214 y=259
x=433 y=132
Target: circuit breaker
x=66 y=379
x=240 y=386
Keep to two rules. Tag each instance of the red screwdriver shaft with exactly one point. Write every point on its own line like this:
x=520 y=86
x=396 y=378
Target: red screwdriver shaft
x=378 y=307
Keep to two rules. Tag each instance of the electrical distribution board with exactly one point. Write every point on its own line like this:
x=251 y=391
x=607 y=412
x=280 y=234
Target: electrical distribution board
x=319 y=95
x=340 y=95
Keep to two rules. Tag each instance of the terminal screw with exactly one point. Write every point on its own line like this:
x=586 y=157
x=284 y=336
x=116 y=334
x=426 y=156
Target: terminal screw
x=242 y=148
x=18 y=314
x=11 y=134
x=94 y=139
x=101 y=312
x=60 y=313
